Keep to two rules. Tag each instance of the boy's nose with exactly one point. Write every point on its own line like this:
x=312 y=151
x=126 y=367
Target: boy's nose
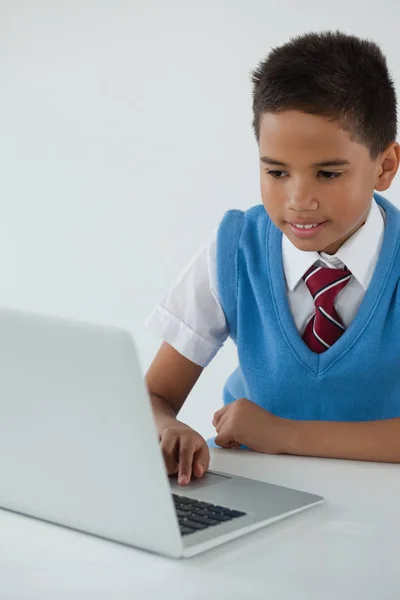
x=303 y=201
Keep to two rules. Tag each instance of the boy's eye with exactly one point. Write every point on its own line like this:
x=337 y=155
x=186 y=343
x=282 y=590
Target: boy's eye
x=330 y=174
x=277 y=174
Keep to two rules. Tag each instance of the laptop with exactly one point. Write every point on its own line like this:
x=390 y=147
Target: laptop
x=79 y=446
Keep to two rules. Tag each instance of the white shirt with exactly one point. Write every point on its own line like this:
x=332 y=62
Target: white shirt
x=190 y=317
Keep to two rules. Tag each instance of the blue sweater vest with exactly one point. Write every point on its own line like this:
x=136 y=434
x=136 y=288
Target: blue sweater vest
x=357 y=379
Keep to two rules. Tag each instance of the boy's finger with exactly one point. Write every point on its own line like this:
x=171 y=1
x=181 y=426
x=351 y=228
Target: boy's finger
x=220 y=425
x=233 y=444
x=171 y=464
x=201 y=461
x=223 y=439
x=218 y=415
x=169 y=449
x=198 y=469
x=185 y=464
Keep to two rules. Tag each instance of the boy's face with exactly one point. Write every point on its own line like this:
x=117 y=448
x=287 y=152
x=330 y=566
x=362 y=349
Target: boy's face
x=302 y=191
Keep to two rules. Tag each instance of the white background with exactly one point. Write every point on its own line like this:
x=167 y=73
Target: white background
x=125 y=133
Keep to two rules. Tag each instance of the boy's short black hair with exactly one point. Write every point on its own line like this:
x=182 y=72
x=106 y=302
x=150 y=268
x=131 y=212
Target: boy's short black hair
x=330 y=74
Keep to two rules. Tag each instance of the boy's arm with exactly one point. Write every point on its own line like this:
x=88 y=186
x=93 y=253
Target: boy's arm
x=244 y=422
x=367 y=440
x=170 y=379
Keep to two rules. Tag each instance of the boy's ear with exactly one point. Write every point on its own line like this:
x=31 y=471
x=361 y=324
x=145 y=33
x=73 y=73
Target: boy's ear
x=389 y=164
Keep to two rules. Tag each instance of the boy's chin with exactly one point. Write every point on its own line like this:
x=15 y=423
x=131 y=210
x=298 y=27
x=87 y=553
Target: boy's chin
x=311 y=245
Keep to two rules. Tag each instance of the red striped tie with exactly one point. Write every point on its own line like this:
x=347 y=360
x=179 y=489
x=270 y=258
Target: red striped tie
x=326 y=326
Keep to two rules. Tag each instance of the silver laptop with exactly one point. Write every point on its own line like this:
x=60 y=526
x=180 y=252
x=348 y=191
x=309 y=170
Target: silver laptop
x=79 y=447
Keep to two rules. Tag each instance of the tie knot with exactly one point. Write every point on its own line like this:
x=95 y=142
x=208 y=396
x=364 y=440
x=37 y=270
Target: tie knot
x=324 y=283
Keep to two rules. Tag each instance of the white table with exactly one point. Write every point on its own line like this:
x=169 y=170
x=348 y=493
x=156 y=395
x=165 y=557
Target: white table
x=346 y=548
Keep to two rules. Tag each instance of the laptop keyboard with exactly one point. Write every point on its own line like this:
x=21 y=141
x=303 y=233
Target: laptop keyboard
x=194 y=515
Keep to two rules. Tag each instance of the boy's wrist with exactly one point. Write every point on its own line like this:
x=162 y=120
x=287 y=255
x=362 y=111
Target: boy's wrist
x=164 y=421
x=290 y=436
x=282 y=435
x=164 y=416
x=305 y=438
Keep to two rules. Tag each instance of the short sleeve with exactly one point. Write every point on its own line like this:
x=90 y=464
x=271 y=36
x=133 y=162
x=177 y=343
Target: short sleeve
x=190 y=317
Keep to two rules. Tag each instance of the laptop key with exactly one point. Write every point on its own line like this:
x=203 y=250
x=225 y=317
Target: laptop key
x=203 y=512
x=184 y=500
x=234 y=513
x=220 y=517
x=186 y=530
x=220 y=509
x=207 y=512
x=203 y=505
x=204 y=520
x=182 y=507
x=194 y=524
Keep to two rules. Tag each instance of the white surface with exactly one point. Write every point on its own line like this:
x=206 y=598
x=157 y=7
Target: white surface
x=125 y=135
x=190 y=316
x=347 y=547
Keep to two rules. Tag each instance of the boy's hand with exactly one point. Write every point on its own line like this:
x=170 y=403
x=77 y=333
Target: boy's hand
x=185 y=452
x=244 y=422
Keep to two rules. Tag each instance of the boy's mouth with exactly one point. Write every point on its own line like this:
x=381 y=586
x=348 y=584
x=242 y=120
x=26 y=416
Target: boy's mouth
x=307 y=230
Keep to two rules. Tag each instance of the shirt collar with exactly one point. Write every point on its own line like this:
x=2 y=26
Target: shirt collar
x=359 y=253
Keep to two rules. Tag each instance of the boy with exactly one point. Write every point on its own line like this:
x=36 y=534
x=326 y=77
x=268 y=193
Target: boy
x=306 y=284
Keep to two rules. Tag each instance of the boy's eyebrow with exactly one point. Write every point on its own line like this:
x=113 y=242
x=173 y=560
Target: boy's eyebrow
x=336 y=162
